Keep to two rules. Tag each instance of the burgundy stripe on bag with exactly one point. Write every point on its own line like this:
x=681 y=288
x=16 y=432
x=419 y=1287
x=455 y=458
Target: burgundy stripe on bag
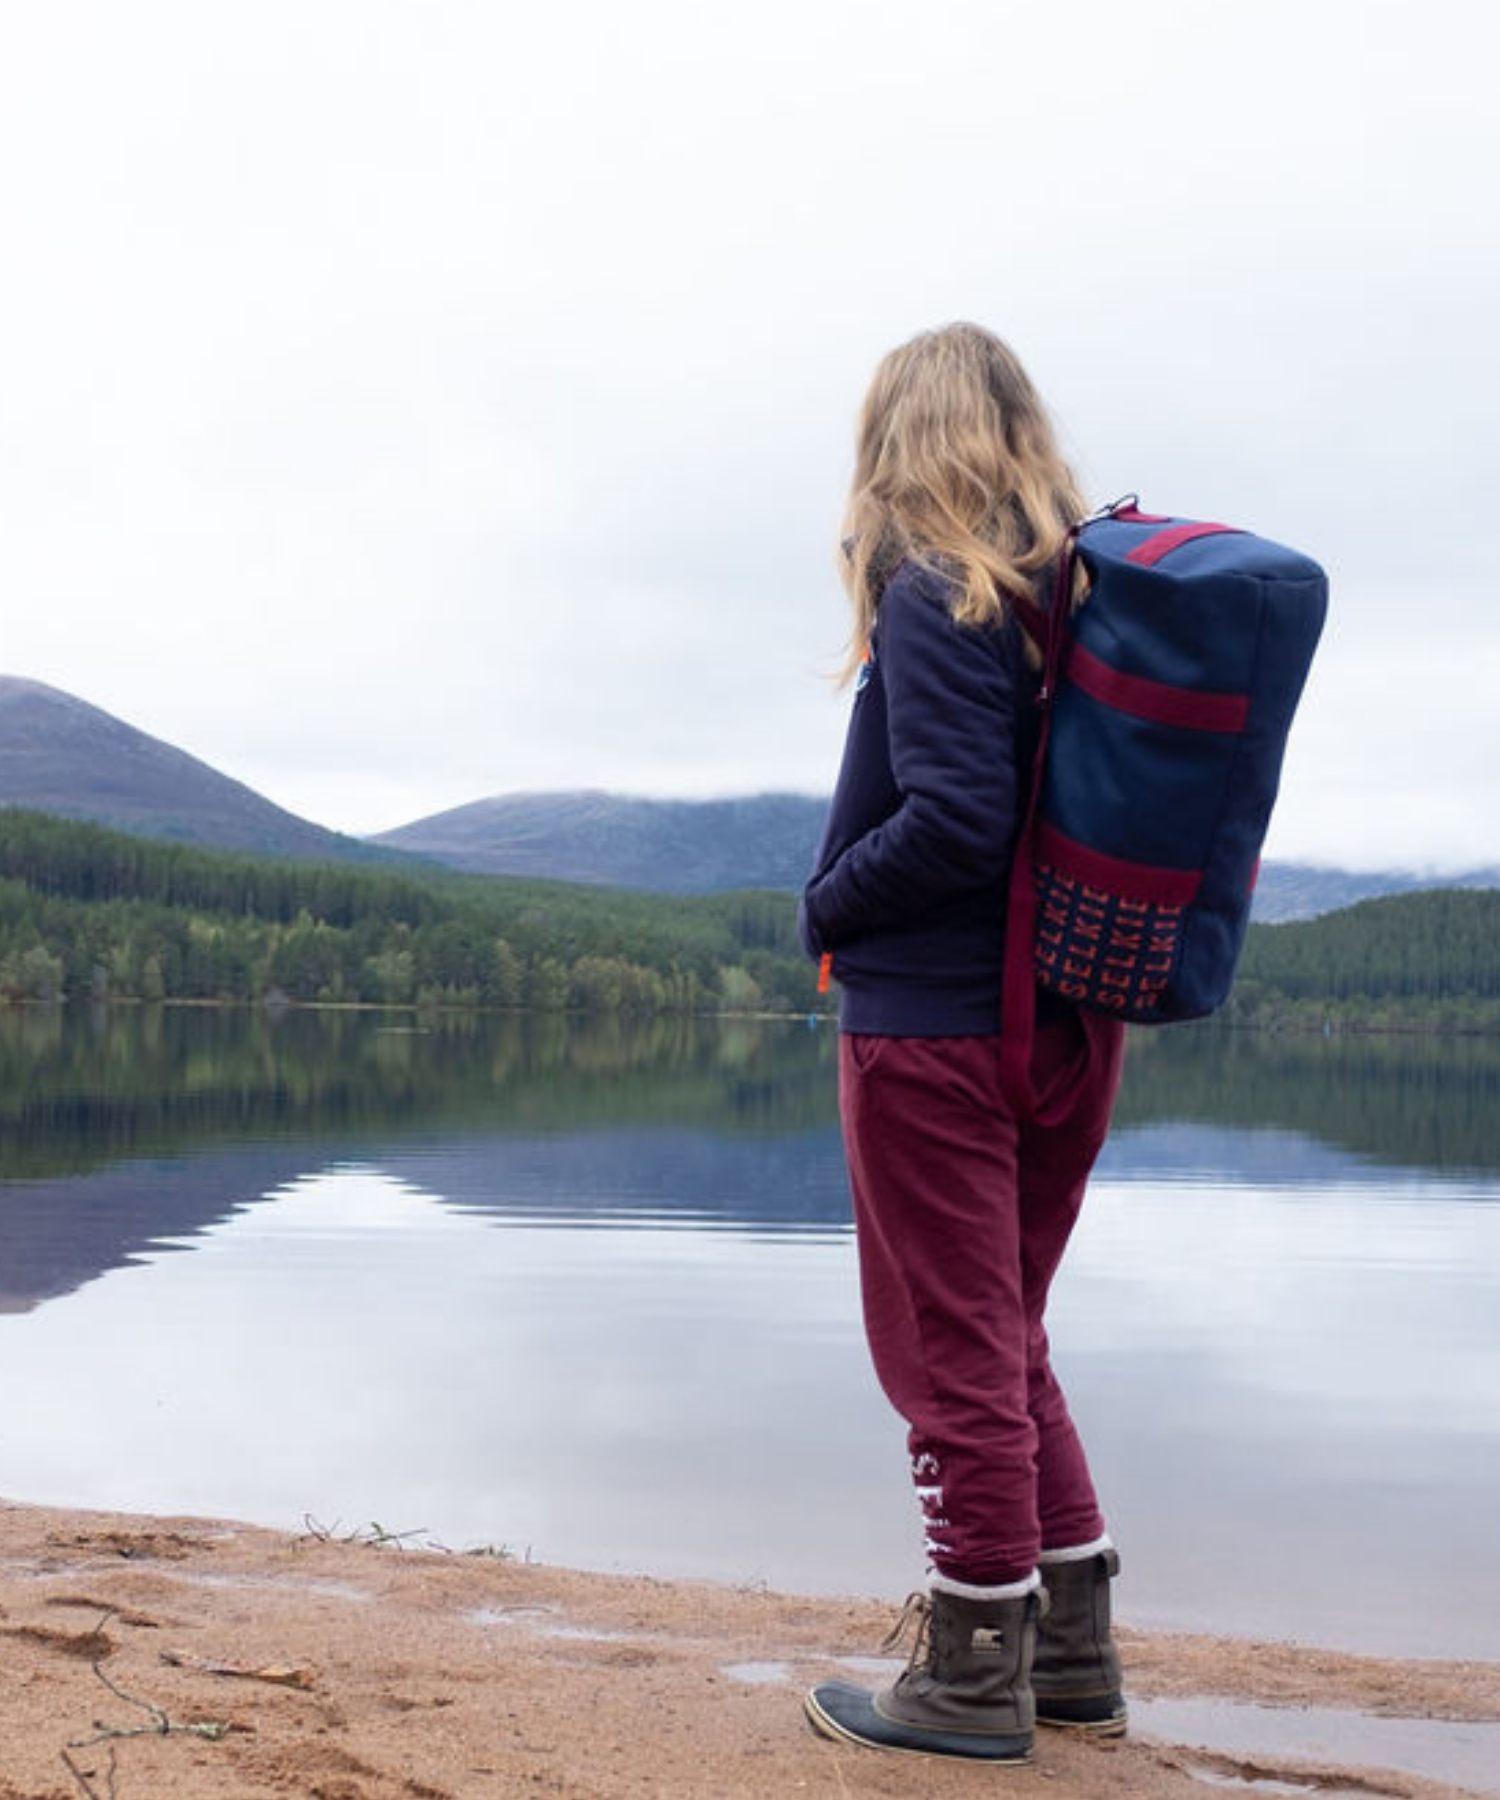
x=1162 y=543
x=1162 y=704
x=1142 y=881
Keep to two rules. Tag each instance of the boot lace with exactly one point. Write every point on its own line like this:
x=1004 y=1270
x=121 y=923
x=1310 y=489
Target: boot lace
x=916 y=1618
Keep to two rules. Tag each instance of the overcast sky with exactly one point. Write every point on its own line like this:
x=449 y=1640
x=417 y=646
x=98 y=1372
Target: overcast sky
x=401 y=404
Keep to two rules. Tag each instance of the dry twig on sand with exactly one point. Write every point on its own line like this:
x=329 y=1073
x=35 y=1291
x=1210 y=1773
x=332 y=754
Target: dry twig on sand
x=374 y=1535
x=292 y=1675
x=85 y=1779
x=160 y=1726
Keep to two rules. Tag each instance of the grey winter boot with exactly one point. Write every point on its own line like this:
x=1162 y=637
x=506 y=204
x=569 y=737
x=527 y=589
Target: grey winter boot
x=965 y=1690
x=1076 y=1672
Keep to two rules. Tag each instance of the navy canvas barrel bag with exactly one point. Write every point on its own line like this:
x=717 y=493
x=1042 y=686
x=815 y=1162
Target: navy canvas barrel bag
x=1167 y=699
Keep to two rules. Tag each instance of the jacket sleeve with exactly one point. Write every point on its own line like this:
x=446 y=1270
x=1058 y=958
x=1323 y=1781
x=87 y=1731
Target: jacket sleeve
x=951 y=713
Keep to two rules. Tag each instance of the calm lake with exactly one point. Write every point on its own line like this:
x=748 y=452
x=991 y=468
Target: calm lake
x=587 y=1291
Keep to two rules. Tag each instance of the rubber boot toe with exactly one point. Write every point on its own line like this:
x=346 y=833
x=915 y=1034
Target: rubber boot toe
x=838 y=1709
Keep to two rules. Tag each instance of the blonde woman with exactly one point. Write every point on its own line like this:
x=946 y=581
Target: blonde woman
x=961 y=500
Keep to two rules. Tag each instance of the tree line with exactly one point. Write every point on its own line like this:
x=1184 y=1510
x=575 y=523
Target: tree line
x=86 y=912
x=1428 y=959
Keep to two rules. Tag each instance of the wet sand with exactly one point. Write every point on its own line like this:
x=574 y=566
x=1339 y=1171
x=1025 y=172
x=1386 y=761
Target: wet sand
x=174 y=1659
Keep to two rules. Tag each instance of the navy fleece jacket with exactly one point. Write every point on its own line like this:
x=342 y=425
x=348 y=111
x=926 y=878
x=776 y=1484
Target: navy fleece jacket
x=908 y=889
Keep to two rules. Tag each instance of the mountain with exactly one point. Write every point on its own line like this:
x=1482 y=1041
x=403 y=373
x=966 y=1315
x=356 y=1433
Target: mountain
x=764 y=841
x=60 y=755
x=1302 y=891
x=618 y=840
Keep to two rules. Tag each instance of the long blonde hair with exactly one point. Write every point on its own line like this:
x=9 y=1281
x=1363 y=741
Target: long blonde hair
x=956 y=465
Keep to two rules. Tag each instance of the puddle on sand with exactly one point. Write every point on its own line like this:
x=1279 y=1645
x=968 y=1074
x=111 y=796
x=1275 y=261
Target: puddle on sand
x=1465 y=1753
x=548 y=1621
x=759 y=1674
x=332 y=1590
x=883 y=1668
x=1267 y=1784
x=592 y=1634
x=511 y=1615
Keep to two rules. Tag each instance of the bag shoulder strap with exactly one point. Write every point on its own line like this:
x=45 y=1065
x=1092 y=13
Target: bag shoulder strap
x=1050 y=630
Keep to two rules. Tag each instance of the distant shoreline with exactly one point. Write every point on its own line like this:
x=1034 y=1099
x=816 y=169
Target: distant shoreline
x=277 y=1006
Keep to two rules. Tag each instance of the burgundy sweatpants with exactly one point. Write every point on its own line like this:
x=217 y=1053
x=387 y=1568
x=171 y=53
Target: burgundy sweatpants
x=962 y=1216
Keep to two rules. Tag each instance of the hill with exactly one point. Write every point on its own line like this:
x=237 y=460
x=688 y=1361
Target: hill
x=1401 y=950
x=621 y=840
x=759 y=841
x=60 y=755
x=1288 y=891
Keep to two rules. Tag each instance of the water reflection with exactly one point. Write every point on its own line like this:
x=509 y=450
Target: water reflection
x=80 y=1089
x=355 y=1348
x=1414 y=1102
x=591 y=1291
x=1449 y=1750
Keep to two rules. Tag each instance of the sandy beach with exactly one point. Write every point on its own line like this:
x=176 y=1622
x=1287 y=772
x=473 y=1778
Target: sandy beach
x=184 y=1659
